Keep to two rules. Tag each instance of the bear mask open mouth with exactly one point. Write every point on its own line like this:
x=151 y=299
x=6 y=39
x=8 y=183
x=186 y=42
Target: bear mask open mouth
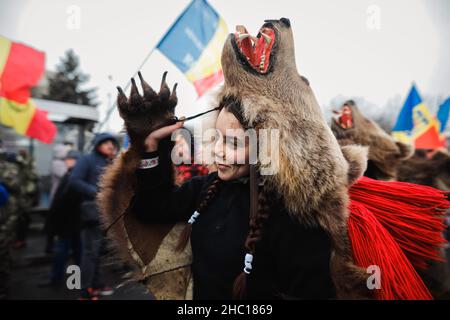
x=344 y=118
x=256 y=52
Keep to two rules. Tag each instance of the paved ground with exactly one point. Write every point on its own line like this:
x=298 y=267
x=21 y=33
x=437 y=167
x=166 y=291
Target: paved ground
x=32 y=267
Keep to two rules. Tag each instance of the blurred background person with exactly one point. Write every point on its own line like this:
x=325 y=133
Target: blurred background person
x=10 y=188
x=58 y=170
x=64 y=222
x=59 y=167
x=84 y=180
x=29 y=195
x=184 y=150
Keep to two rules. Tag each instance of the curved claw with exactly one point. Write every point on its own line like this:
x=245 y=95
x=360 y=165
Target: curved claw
x=120 y=90
x=173 y=99
x=135 y=97
x=163 y=80
x=134 y=89
x=149 y=93
x=174 y=90
x=164 y=92
x=121 y=97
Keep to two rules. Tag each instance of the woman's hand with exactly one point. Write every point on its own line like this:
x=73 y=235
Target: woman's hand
x=152 y=140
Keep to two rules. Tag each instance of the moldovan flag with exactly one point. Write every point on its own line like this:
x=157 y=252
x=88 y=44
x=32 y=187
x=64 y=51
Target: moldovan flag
x=194 y=44
x=416 y=125
x=21 y=67
x=442 y=117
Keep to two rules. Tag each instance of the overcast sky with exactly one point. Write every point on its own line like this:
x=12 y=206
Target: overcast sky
x=371 y=49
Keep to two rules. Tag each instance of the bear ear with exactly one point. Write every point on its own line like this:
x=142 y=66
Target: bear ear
x=441 y=155
x=406 y=150
x=356 y=157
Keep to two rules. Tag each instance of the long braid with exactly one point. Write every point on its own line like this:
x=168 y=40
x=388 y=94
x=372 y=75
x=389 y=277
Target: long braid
x=255 y=233
x=211 y=192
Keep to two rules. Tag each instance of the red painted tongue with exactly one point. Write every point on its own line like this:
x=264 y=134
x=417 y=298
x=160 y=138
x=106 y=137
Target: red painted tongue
x=254 y=53
x=247 y=49
x=259 y=50
x=347 y=120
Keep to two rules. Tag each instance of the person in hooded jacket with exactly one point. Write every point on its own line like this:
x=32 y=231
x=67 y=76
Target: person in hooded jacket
x=84 y=180
x=64 y=222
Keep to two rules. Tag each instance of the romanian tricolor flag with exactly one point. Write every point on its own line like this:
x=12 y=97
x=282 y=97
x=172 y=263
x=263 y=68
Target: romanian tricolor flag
x=416 y=125
x=194 y=44
x=21 y=67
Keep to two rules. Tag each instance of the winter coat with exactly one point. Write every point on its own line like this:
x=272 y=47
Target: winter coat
x=291 y=260
x=64 y=215
x=85 y=175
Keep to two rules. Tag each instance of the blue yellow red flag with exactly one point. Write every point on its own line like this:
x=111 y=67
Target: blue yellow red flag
x=442 y=117
x=194 y=44
x=416 y=125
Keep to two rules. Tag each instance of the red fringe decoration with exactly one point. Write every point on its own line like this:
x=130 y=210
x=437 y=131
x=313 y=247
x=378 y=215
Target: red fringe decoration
x=373 y=245
x=396 y=226
x=412 y=214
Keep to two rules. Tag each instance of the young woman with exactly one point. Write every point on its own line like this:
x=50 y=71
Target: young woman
x=310 y=230
x=288 y=259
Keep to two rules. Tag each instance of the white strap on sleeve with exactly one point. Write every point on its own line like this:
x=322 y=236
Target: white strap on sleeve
x=248 y=263
x=149 y=163
x=193 y=217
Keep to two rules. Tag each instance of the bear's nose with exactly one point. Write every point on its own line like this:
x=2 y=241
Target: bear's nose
x=286 y=22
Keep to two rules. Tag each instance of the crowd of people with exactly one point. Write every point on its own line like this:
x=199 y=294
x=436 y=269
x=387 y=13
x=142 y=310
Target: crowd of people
x=72 y=224
x=73 y=219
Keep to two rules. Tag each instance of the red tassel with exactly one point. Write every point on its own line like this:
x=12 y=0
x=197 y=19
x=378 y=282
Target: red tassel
x=412 y=214
x=373 y=245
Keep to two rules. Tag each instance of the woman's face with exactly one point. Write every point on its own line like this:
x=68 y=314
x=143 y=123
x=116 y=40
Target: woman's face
x=231 y=150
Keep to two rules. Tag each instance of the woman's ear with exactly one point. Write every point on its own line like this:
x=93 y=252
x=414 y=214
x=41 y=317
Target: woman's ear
x=356 y=157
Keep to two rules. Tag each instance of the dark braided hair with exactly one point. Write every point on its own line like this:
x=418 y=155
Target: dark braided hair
x=257 y=223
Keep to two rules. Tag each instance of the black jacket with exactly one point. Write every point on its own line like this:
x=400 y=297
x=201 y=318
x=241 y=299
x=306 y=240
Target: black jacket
x=89 y=168
x=291 y=260
x=64 y=215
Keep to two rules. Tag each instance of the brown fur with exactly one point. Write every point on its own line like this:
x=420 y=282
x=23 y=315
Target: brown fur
x=356 y=157
x=384 y=152
x=393 y=161
x=146 y=247
x=313 y=175
x=433 y=171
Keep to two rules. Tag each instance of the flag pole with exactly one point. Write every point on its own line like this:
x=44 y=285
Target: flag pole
x=114 y=104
